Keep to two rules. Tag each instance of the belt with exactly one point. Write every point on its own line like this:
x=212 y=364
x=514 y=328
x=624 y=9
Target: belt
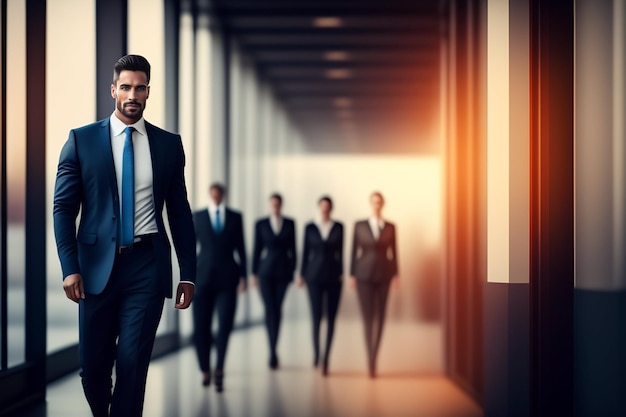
x=142 y=240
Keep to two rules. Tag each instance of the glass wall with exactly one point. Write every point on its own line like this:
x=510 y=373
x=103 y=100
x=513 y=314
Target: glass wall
x=16 y=179
x=70 y=103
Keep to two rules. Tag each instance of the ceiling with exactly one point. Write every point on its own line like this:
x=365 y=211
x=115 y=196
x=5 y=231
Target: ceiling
x=347 y=70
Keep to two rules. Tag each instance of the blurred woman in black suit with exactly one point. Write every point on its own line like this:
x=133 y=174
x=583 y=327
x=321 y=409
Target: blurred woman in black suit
x=374 y=266
x=322 y=267
x=273 y=267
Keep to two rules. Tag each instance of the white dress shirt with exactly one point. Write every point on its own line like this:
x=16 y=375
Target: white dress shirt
x=276 y=223
x=376 y=225
x=145 y=222
x=324 y=227
x=212 y=214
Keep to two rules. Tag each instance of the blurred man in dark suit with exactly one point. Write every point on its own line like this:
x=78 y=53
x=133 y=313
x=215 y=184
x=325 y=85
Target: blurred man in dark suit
x=273 y=266
x=221 y=270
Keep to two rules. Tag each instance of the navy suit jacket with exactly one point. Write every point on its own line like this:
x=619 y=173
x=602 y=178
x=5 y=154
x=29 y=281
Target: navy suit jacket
x=374 y=260
x=322 y=260
x=217 y=266
x=86 y=182
x=274 y=255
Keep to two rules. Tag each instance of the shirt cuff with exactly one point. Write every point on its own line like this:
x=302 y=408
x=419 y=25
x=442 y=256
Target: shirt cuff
x=188 y=282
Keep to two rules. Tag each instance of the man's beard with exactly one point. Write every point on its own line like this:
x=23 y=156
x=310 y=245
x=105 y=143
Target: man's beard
x=134 y=116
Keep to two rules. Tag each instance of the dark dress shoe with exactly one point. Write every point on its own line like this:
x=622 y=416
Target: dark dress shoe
x=325 y=367
x=206 y=380
x=316 y=359
x=274 y=362
x=219 y=380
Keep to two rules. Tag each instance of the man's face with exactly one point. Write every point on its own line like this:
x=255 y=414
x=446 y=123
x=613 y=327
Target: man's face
x=325 y=208
x=275 y=206
x=130 y=92
x=216 y=196
x=377 y=204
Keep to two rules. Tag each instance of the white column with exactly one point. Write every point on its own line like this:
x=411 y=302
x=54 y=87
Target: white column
x=508 y=146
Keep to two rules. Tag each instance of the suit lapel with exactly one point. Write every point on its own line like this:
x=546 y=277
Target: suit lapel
x=383 y=232
x=155 y=155
x=227 y=221
x=104 y=142
x=370 y=231
x=268 y=226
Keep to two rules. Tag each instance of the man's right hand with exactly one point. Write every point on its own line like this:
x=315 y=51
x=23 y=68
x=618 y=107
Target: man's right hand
x=73 y=287
x=255 y=281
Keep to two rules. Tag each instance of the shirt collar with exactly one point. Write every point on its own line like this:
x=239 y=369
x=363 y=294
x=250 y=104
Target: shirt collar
x=318 y=221
x=375 y=221
x=117 y=126
x=212 y=207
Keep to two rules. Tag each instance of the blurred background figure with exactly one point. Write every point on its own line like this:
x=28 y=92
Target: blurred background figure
x=273 y=265
x=373 y=267
x=221 y=270
x=322 y=267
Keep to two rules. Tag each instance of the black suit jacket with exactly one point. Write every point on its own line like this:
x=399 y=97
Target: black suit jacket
x=374 y=260
x=322 y=260
x=274 y=255
x=216 y=263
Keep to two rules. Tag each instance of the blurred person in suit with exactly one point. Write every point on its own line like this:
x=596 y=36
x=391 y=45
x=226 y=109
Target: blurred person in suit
x=117 y=175
x=273 y=266
x=373 y=267
x=221 y=272
x=321 y=270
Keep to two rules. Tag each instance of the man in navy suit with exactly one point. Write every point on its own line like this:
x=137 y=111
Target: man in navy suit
x=119 y=173
x=221 y=271
x=273 y=266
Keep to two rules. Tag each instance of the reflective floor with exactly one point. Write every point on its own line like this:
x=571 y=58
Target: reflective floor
x=410 y=381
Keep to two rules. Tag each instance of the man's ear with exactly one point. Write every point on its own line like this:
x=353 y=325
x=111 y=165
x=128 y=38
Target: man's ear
x=113 y=93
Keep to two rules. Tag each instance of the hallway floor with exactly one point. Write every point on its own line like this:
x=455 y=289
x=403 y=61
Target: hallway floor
x=410 y=382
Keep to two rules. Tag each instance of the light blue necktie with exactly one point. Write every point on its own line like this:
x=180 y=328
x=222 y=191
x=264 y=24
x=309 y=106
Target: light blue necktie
x=217 y=227
x=127 y=229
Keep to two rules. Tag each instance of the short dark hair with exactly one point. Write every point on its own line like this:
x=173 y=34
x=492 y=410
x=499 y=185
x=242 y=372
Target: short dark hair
x=278 y=197
x=327 y=199
x=131 y=63
x=378 y=194
x=219 y=187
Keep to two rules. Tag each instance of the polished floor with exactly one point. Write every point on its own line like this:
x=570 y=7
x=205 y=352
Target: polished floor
x=410 y=381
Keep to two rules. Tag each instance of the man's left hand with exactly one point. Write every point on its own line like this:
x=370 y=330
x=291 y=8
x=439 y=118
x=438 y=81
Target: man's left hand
x=184 y=295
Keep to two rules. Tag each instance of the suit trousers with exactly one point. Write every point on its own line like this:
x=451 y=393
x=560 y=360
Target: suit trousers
x=273 y=290
x=119 y=326
x=373 y=302
x=205 y=302
x=323 y=294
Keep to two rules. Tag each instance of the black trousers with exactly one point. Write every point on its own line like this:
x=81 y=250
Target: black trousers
x=373 y=302
x=324 y=294
x=273 y=290
x=205 y=302
x=119 y=326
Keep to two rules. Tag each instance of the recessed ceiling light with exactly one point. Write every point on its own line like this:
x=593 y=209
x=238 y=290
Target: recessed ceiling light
x=342 y=102
x=345 y=114
x=327 y=22
x=338 y=73
x=336 y=56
